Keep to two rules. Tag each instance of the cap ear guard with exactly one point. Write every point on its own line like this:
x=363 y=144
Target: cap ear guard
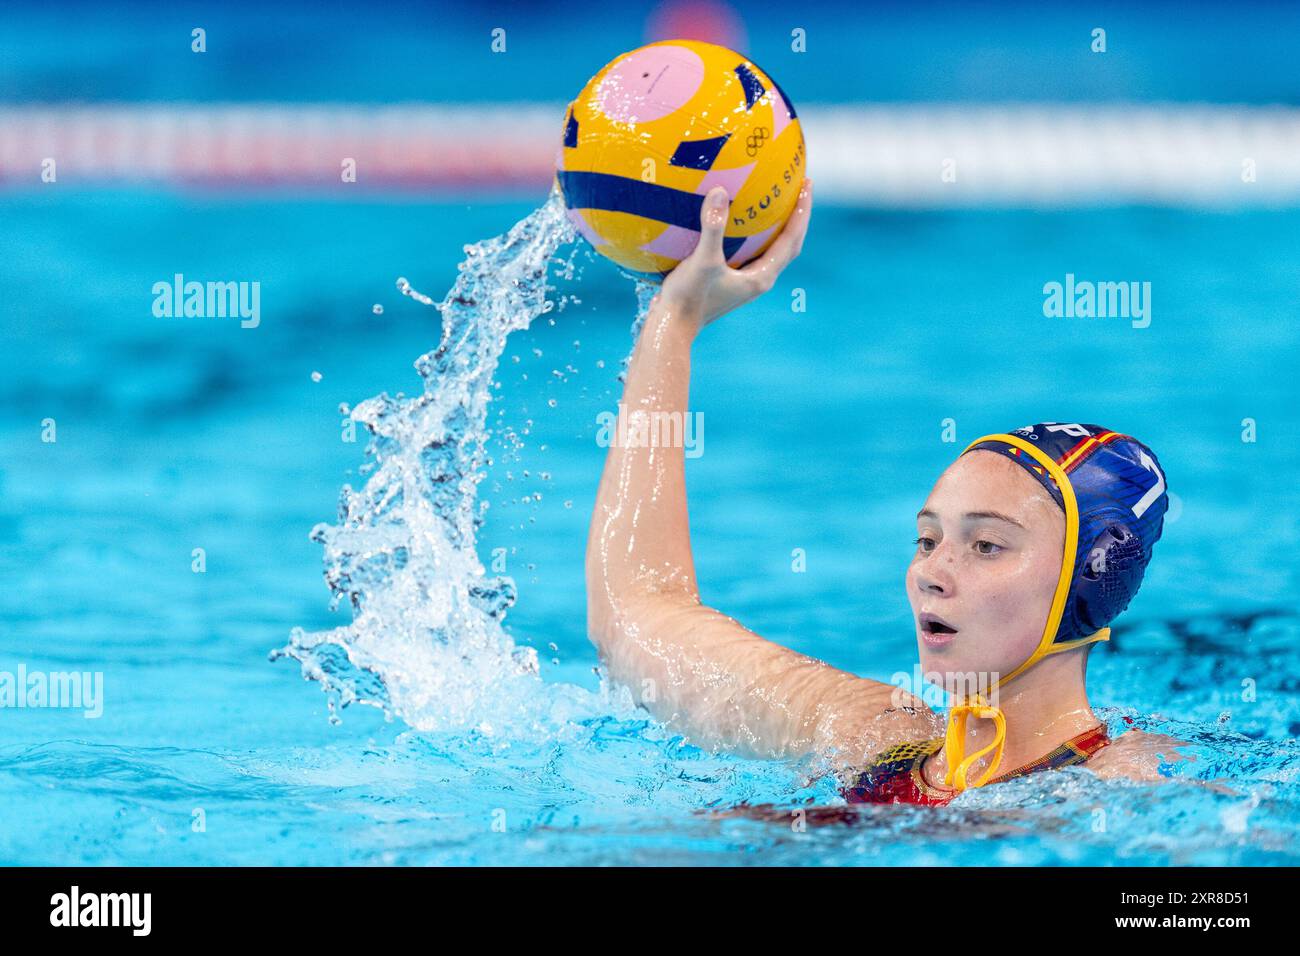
x=1109 y=579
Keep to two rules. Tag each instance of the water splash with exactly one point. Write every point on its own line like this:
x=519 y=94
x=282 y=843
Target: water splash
x=426 y=641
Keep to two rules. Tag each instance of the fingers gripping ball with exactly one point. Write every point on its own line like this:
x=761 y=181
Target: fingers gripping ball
x=654 y=131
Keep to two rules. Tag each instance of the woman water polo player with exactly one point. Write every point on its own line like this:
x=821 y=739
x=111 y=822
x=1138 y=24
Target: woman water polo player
x=1028 y=546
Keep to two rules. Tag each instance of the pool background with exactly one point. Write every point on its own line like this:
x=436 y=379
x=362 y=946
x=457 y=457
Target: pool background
x=822 y=432
x=393 y=52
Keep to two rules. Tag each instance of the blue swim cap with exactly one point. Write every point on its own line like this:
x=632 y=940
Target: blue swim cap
x=1116 y=501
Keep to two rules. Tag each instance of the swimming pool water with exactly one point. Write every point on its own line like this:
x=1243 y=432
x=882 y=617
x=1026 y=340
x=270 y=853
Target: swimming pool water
x=823 y=432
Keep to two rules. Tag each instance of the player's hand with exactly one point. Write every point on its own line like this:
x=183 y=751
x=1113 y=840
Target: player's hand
x=703 y=287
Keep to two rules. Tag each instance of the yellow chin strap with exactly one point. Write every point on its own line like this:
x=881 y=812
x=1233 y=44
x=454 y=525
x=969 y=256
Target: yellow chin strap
x=954 y=747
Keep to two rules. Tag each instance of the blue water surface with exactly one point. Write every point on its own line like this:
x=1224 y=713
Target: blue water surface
x=824 y=431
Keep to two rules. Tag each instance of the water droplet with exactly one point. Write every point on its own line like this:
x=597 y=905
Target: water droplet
x=404 y=287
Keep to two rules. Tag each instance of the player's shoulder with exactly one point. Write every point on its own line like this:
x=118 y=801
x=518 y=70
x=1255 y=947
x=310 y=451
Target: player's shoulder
x=883 y=721
x=1137 y=755
x=907 y=725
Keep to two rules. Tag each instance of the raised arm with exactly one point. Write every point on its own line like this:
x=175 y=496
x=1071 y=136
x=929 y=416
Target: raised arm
x=693 y=667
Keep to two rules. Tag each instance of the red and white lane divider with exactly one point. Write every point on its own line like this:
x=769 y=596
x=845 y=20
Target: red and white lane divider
x=898 y=155
x=251 y=145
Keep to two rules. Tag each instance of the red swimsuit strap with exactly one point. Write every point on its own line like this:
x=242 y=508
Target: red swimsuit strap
x=1074 y=751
